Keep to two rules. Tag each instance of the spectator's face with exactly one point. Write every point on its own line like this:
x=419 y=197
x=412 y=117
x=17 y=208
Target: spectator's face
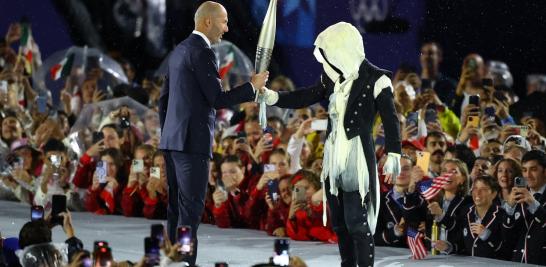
x=534 y=173
x=480 y=168
x=505 y=175
x=402 y=97
x=303 y=113
x=112 y=168
x=405 y=169
x=430 y=56
x=305 y=153
x=88 y=88
x=514 y=152
x=11 y=129
x=457 y=178
x=219 y=26
x=482 y=194
x=308 y=187
x=111 y=138
x=159 y=161
x=253 y=132
x=490 y=149
x=284 y=190
x=232 y=175
x=227 y=146
x=321 y=112
x=437 y=147
x=280 y=162
x=250 y=108
x=276 y=126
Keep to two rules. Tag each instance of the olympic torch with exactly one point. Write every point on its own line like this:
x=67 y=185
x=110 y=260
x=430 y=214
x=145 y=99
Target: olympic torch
x=265 y=50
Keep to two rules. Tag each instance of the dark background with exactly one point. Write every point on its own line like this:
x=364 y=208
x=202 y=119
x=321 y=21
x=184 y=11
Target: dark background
x=510 y=31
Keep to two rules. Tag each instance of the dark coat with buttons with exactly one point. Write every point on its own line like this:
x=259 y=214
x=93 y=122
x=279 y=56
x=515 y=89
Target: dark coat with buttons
x=360 y=112
x=530 y=232
x=473 y=245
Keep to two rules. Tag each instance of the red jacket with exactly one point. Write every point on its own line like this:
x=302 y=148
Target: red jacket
x=277 y=217
x=83 y=178
x=306 y=227
x=230 y=213
x=102 y=201
x=154 y=208
x=131 y=201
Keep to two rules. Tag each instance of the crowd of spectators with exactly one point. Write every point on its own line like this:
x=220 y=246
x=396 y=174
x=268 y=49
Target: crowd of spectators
x=475 y=129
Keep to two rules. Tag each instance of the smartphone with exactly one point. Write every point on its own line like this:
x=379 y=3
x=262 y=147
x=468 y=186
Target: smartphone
x=97 y=136
x=155 y=172
x=41 y=104
x=102 y=257
x=137 y=165
x=58 y=205
x=489 y=111
x=101 y=170
x=520 y=182
x=281 y=257
x=472 y=64
x=487 y=82
x=474 y=100
x=4 y=87
x=157 y=231
x=86 y=259
x=36 y=213
x=56 y=160
x=431 y=115
x=412 y=119
x=184 y=238
x=151 y=251
x=473 y=121
x=426 y=84
x=270 y=167
x=299 y=194
x=221 y=264
x=423 y=160
x=319 y=125
x=273 y=189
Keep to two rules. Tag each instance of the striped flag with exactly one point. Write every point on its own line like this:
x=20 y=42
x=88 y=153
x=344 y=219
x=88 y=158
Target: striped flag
x=26 y=46
x=63 y=68
x=229 y=61
x=429 y=189
x=415 y=243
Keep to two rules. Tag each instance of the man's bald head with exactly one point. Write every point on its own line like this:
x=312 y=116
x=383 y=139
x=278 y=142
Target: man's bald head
x=207 y=10
x=211 y=19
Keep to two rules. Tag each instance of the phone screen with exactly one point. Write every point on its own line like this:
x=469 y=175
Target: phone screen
x=156 y=231
x=36 y=213
x=319 y=125
x=273 y=189
x=41 y=103
x=101 y=170
x=474 y=100
x=184 y=238
x=151 y=251
x=282 y=252
x=102 y=257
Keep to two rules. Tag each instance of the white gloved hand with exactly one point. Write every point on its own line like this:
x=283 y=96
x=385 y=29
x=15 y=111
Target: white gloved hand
x=391 y=169
x=269 y=96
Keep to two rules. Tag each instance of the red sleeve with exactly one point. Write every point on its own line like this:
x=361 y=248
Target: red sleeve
x=296 y=229
x=154 y=208
x=254 y=208
x=83 y=177
x=276 y=218
x=109 y=200
x=92 y=200
x=130 y=201
x=221 y=215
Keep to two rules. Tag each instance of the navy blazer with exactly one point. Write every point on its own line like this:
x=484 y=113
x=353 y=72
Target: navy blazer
x=190 y=96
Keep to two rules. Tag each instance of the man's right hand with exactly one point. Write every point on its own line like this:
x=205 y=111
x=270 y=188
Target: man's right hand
x=259 y=80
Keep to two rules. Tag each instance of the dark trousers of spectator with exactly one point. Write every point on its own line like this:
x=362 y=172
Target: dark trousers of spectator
x=349 y=221
x=187 y=177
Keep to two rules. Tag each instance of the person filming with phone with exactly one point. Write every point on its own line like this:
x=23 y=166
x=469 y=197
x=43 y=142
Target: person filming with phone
x=526 y=211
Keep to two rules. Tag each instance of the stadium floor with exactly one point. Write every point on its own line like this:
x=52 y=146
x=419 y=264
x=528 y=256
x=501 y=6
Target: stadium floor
x=237 y=247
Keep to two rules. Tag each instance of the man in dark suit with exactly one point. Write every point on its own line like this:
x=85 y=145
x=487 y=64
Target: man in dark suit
x=187 y=106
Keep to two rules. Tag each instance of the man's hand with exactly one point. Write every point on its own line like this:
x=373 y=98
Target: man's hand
x=477 y=228
x=259 y=80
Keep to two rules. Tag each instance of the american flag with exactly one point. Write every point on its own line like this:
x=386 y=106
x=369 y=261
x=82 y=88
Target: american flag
x=415 y=243
x=429 y=189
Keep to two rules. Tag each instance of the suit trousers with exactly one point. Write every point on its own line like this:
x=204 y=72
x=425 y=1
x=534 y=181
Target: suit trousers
x=349 y=220
x=187 y=177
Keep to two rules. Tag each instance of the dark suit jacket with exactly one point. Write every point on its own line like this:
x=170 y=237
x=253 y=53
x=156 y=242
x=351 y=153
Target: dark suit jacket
x=190 y=96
